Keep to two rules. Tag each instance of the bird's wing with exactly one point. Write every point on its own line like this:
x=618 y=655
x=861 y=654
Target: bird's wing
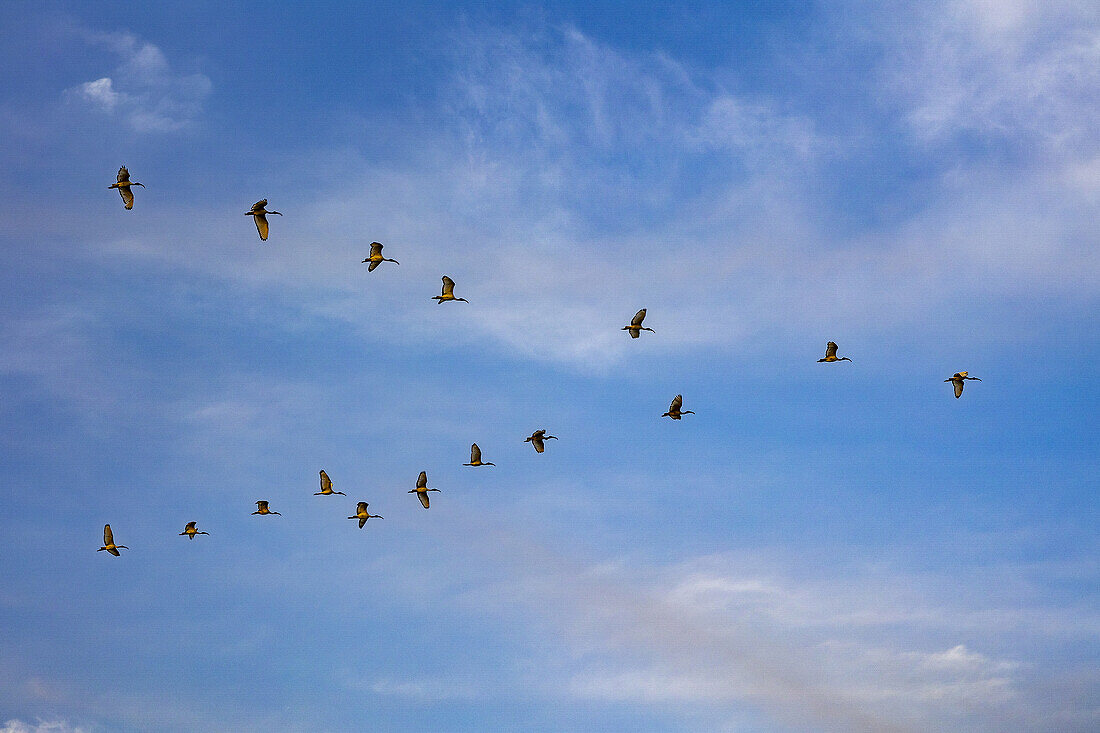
x=123 y=175
x=830 y=350
x=127 y=196
x=108 y=536
x=677 y=403
x=422 y=480
x=475 y=454
x=259 y=205
x=190 y=525
x=371 y=267
x=638 y=318
x=958 y=387
x=261 y=505
x=326 y=483
x=261 y=225
x=362 y=521
x=423 y=498
x=536 y=440
x=375 y=248
x=114 y=552
x=448 y=286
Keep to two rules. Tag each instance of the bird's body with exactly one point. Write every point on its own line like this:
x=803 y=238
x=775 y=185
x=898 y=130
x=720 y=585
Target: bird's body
x=191 y=531
x=363 y=515
x=376 y=257
x=261 y=508
x=109 y=542
x=674 y=410
x=422 y=489
x=448 y=292
x=830 y=353
x=124 y=186
x=259 y=212
x=537 y=439
x=635 y=328
x=326 y=487
x=475 y=457
x=957 y=379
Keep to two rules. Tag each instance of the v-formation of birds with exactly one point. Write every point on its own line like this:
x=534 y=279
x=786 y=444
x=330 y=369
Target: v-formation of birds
x=537 y=439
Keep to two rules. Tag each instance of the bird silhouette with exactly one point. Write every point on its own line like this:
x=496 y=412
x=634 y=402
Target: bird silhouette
x=422 y=489
x=259 y=213
x=475 y=457
x=190 y=531
x=830 y=353
x=261 y=508
x=124 y=185
x=109 y=542
x=636 y=326
x=326 y=487
x=957 y=380
x=363 y=515
x=674 y=410
x=376 y=257
x=448 y=292
x=537 y=439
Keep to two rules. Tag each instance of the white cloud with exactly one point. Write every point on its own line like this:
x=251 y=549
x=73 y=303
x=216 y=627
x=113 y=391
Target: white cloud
x=40 y=726
x=100 y=94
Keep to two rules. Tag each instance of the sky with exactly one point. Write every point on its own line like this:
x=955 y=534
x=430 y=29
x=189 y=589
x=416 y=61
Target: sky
x=821 y=547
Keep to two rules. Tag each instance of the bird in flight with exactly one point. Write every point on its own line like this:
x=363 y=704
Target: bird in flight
x=326 y=487
x=830 y=353
x=259 y=213
x=123 y=185
x=190 y=531
x=537 y=439
x=261 y=508
x=422 y=489
x=475 y=457
x=448 y=292
x=109 y=542
x=363 y=515
x=674 y=410
x=636 y=326
x=957 y=380
x=377 y=259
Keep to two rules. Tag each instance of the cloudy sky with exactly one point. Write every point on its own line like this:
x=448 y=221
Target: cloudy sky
x=822 y=547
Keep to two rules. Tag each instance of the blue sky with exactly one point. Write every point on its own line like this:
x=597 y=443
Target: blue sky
x=822 y=547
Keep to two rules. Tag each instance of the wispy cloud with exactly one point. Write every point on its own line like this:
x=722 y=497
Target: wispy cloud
x=40 y=726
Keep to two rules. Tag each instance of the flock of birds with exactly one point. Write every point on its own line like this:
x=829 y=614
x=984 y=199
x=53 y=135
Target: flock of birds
x=537 y=439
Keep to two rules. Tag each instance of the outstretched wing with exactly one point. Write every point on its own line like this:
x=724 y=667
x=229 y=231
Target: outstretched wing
x=127 y=196
x=536 y=440
x=362 y=521
x=261 y=505
x=374 y=264
x=638 y=318
x=475 y=454
x=123 y=175
x=190 y=525
x=375 y=248
x=361 y=507
x=326 y=484
x=261 y=225
x=830 y=350
x=677 y=403
x=108 y=535
x=259 y=205
x=422 y=481
x=448 y=286
x=423 y=498
x=958 y=387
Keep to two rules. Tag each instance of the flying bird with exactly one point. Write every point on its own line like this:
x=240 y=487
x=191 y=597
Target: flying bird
x=109 y=542
x=957 y=380
x=123 y=186
x=363 y=515
x=190 y=531
x=475 y=457
x=261 y=508
x=326 y=487
x=448 y=292
x=259 y=213
x=674 y=410
x=830 y=353
x=537 y=439
x=377 y=259
x=636 y=326
x=422 y=489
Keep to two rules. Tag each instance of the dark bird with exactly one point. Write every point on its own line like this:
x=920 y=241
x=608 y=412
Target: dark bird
x=363 y=515
x=259 y=213
x=957 y=380
x=377 y=259
x=422 y=489
x=109 y=542
x=674 y=410
x=830 y=353
x=326 y=487
x=124 y=184
x=261 y=508
x=636 y=326
x=190 y=531
x=475 y=457
x=448 y=292
x=537 y=439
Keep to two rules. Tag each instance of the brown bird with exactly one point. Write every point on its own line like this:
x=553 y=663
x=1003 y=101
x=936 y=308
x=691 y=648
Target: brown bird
x=376 y=257
x=363 y=515
x=190 y=531
x=475 y=457
x=259 y=213
x=537 y=439
x=957 y=380
x=830 y=353
x=109 y=542
x=674 y=410
x=448 y=292
x=261 y=508
x=636 y=326
x=326 y=487
x=422 y=489
x=124 y=184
